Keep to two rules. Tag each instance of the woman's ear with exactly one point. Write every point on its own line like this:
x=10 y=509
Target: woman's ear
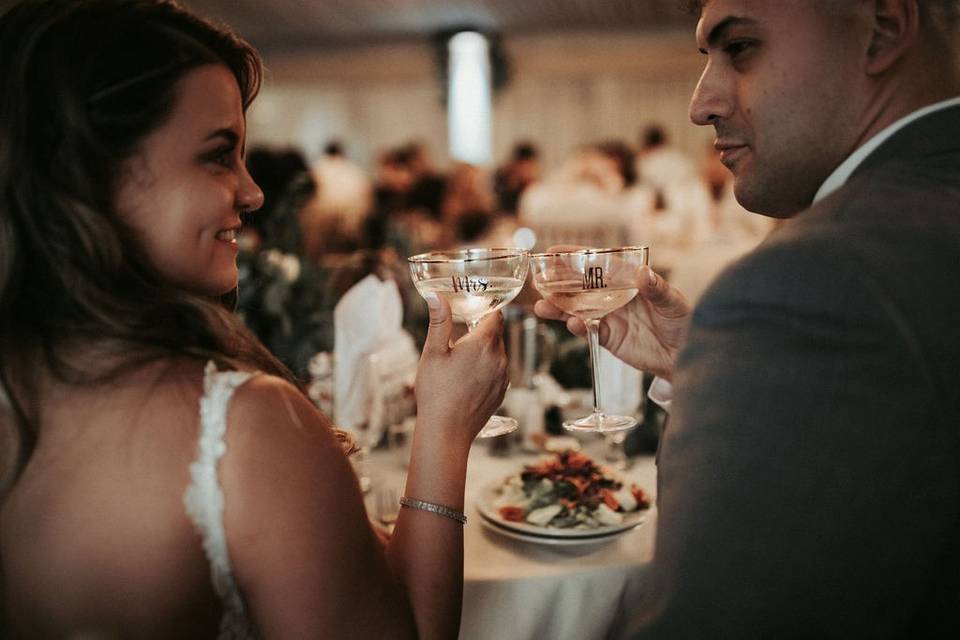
x=896 y=30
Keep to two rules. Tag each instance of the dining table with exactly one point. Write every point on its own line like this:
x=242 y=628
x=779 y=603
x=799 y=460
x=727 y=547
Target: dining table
x=528 y=587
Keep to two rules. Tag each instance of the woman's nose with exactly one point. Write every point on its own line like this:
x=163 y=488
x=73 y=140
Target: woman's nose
x=249 y=194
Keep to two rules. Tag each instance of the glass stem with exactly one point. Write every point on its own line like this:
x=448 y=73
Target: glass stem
x=593 y=340
x=472 y=324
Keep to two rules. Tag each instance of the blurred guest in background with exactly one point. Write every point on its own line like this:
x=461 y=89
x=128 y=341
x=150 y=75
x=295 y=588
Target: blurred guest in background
x=468 y=189
x=809 y=477
x=399 y=220
x=288 y=190
x=636 y=200
x=659 y=163
x=584 y=202
x=282 y=292
x=512 y=178
x=395 y=182
x=623 y=157
x=681 y=202
x=429 y=185
x=392 y=195
x=468 y=204
x=344 y=199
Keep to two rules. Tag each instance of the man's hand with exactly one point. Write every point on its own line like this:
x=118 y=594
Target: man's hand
x=646 y=333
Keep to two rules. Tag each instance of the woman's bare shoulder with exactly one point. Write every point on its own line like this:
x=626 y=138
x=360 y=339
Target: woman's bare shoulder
x=292 y=500
x=272 y=400
x=268 y=416
x=264 y=413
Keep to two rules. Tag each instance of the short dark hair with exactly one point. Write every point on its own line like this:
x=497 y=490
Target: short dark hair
x=945 y=14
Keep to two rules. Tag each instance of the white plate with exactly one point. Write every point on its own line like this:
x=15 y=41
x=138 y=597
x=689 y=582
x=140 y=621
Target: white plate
x=485 y=502
x=552 y=540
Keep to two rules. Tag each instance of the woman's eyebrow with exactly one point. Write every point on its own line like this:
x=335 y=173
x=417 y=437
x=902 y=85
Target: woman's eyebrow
x=227 y=133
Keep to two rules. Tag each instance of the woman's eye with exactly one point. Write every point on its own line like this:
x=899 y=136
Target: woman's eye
x=222 y=157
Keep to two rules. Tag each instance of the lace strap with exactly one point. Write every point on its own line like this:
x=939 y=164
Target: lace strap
x=204 y=499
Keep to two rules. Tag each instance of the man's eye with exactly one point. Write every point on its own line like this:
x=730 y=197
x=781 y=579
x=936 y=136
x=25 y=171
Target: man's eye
x=736 y=48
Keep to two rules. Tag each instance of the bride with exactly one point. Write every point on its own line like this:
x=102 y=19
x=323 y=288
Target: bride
x=163 y=475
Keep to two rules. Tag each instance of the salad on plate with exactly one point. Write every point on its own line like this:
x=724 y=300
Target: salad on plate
x=568 y=491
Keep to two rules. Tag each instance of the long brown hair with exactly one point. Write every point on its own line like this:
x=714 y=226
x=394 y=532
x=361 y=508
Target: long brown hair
x=81 y=86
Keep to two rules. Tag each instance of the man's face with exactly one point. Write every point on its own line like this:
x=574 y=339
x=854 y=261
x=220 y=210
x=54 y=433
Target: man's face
x=783 y=89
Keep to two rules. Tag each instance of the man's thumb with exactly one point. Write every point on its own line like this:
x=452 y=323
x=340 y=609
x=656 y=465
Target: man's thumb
x=655 y=287
x=441 y=324
x=669 y=301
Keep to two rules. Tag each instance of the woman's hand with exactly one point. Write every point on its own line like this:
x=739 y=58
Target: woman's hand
x=646 y=333
x=460 y=386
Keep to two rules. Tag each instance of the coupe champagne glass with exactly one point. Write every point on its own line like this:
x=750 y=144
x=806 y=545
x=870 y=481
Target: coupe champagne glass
x=475 y=282
x=589 y=284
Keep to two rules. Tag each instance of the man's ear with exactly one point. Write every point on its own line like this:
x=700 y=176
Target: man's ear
x=896 y=30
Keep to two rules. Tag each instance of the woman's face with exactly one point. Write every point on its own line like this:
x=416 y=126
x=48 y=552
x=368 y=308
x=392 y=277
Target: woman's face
x=183 y=192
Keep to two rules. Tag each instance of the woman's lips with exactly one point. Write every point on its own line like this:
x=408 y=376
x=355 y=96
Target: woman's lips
x=228 y=235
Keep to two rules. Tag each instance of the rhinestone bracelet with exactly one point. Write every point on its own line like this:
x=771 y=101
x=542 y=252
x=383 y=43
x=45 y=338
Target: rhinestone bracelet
x=438 y=509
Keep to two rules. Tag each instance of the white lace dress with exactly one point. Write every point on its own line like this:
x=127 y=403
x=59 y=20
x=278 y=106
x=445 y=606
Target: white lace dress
x=204 y=497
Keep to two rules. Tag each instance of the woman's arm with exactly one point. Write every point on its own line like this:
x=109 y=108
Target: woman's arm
x=457 y=391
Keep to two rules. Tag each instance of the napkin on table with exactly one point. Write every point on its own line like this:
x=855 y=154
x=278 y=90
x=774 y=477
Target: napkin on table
x=368 y=335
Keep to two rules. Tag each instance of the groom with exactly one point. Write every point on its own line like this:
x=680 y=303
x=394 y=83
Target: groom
x=809 y=479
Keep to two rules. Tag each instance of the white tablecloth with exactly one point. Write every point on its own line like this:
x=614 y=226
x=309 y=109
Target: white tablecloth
x=516 y=590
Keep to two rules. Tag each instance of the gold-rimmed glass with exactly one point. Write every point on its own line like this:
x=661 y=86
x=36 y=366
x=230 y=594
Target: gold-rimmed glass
x=589 y=284
x=475 y=282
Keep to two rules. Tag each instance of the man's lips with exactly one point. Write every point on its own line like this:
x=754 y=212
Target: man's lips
x=729 y=151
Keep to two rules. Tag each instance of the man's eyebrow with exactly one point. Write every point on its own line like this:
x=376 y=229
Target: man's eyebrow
x=719 y=30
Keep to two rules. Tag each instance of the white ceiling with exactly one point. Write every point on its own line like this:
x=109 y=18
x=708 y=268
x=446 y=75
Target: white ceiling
x=293 y=24
x=289 y=24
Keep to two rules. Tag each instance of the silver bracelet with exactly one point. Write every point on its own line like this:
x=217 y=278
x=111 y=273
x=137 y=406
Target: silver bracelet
x=438 y=509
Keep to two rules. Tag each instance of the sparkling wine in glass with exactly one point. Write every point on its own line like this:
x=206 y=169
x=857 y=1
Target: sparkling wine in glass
x=589 y=284
x=474 y=282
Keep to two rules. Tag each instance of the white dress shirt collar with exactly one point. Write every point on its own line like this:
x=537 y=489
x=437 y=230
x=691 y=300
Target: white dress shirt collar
x=846 y=168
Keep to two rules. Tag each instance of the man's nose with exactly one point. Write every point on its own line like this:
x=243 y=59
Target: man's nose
x=712 y=99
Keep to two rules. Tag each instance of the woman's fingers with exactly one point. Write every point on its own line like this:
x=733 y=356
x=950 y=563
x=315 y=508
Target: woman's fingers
x=490 y=327
x=441 y=325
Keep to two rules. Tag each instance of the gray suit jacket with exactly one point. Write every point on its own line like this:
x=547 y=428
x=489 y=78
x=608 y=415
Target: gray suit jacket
x=809 y=479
